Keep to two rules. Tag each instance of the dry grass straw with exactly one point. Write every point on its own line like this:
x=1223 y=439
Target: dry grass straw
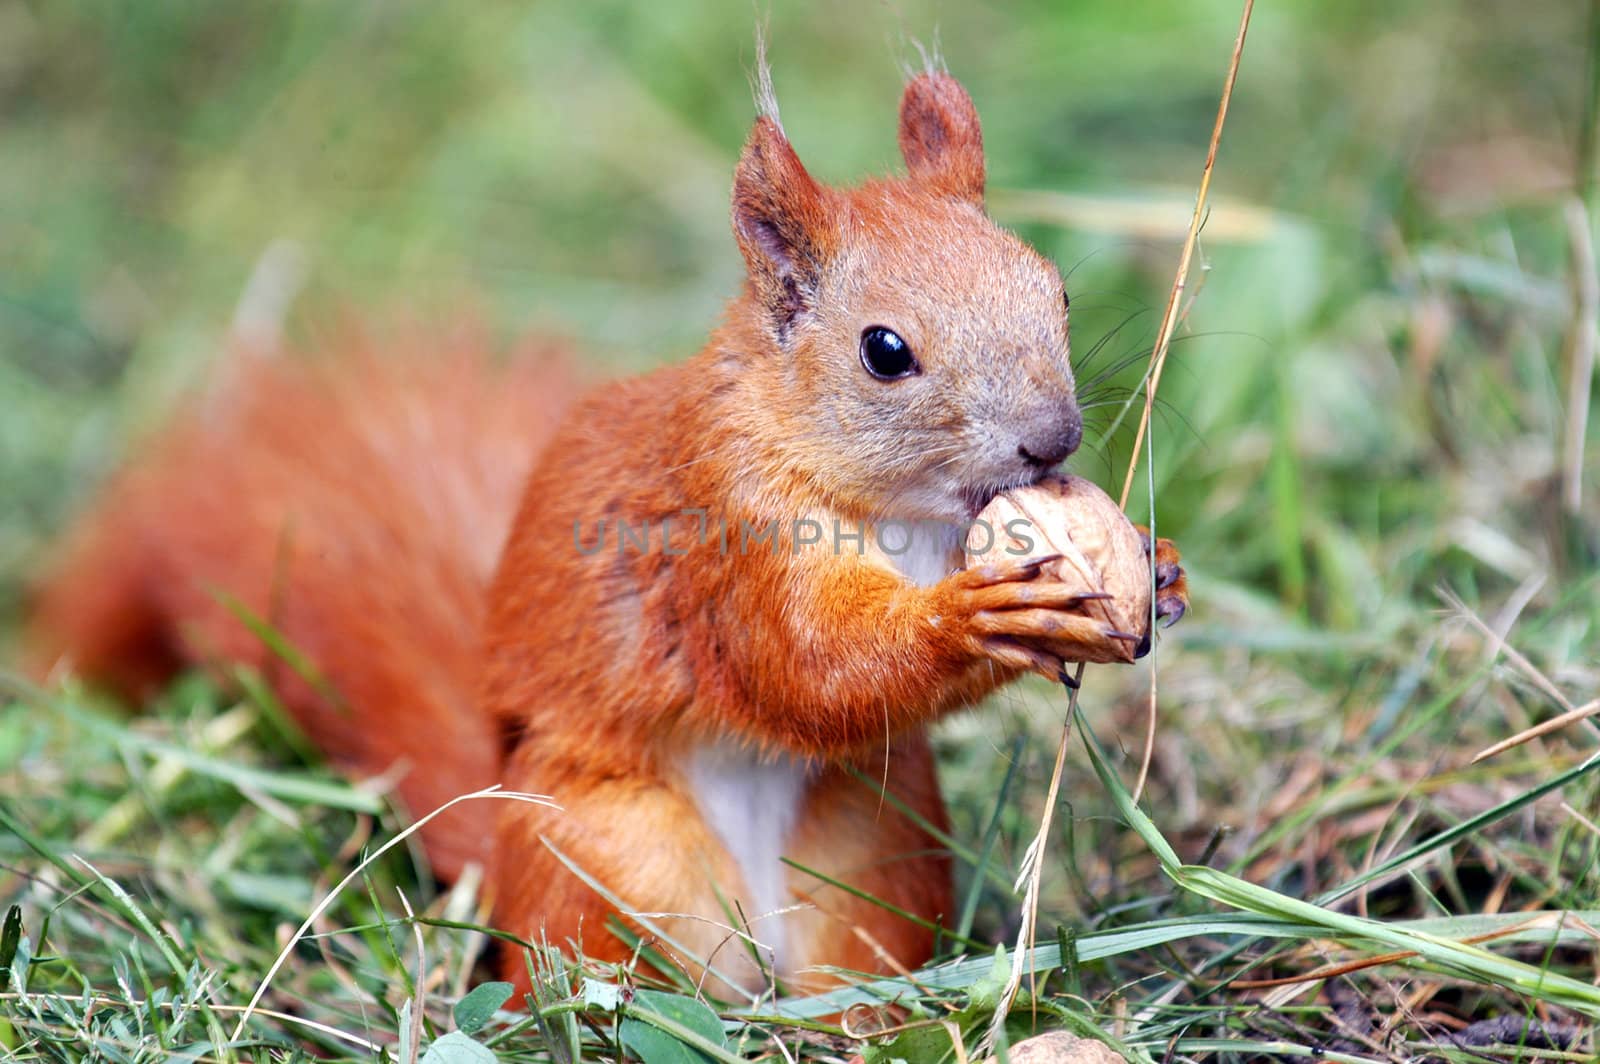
x=1570 y=713
x=1580 y=350
x=1032 y=871
x=1584 y=335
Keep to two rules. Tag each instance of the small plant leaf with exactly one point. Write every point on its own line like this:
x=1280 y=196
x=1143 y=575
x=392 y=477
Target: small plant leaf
x=20 y=962
x=659 y=1043
x=458 y=1048
x=985 y=991
x=10 y=936
x=479 y=1004
x=403 y=1050
x=604 y=996
x=920 y=1044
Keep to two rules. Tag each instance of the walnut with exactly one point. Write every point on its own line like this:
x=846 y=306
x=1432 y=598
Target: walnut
x=1101 y=551
x=1061 y=1047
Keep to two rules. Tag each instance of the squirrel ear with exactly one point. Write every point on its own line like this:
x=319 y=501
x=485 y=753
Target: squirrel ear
x=940 y=137
x=781 y=220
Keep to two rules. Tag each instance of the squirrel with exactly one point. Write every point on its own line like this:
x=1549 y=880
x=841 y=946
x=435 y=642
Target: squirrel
x=692 y=630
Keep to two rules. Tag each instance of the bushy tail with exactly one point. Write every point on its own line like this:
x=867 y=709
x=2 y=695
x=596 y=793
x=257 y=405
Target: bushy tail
x=350 y=508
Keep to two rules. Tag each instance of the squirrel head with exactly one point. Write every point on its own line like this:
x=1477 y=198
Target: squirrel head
x=915 y=351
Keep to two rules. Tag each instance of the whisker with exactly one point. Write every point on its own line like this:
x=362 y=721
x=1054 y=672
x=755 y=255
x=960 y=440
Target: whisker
x=1087 y=362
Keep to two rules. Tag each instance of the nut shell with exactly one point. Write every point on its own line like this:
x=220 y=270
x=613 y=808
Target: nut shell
x=1101 y=551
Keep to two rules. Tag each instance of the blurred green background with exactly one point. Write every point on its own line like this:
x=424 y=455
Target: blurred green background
x=1367 y=398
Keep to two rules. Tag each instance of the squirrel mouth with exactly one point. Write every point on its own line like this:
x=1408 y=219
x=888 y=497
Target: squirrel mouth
x=977 y=497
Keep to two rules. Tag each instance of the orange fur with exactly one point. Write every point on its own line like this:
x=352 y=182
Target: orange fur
x=697 y=706
x=356 y=504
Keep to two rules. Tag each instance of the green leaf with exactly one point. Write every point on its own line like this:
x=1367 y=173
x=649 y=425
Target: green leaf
x=20 y=962
x=10 y=936
x=921 y=1044
x=403 y=1050
x=986 y=989
x=458 y=1048
x=479 y=1004
x=672 y=1029
x=604 y=996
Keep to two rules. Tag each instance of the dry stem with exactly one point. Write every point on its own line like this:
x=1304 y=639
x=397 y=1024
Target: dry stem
x=1033 y=862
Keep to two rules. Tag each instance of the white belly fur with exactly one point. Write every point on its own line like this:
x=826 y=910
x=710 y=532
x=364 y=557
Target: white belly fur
x=929 y=555
x=752 y=802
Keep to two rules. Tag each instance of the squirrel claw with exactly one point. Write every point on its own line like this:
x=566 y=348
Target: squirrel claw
x=1036 y=565
x=1169 y=611
x=1172 y=585
x=1016 y=655
x=1004 y=571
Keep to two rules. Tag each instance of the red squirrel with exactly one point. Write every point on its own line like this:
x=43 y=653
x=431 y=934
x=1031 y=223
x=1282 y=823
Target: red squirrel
x=698 y=636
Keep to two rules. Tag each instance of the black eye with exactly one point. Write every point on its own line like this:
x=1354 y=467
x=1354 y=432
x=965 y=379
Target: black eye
x=886 y=356
x=1066 y=301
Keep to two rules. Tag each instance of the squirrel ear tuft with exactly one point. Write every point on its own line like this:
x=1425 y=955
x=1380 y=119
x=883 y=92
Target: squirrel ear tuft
x=940 y=137
x=782 y=223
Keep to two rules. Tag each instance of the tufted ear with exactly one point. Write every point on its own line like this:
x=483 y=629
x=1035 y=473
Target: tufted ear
x=940 y=137
x=783 y=222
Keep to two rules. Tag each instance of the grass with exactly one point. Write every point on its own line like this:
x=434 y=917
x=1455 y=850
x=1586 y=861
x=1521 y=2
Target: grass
x=1365 y=413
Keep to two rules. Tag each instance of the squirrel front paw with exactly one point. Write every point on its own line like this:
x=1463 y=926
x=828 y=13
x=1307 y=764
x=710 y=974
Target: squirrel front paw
x=1172 y=585
x=1017 y=616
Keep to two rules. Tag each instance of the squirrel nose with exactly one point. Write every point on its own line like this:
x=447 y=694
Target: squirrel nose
x=1049 y=446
